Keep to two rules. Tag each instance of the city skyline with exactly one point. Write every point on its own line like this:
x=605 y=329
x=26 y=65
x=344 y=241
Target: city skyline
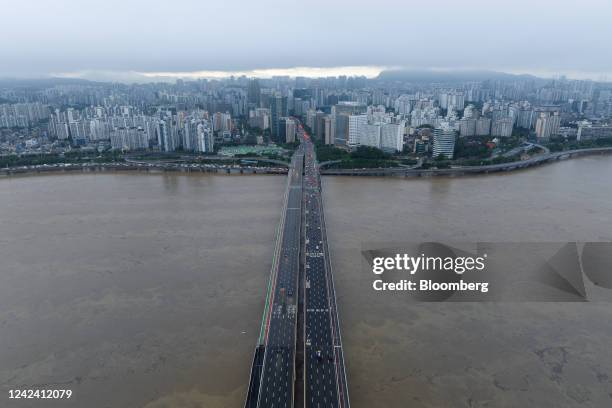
x=369 y=72
x=135 y=42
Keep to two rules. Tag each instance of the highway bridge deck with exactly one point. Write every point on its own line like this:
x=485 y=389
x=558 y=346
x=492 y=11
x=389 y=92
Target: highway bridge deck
x=276 y=372
x=315 y=373
x=324 y=379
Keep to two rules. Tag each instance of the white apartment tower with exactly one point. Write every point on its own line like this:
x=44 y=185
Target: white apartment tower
x=444 y=141
x=356 y=123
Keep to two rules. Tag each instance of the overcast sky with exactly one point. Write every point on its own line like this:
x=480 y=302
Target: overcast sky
x=115 y=38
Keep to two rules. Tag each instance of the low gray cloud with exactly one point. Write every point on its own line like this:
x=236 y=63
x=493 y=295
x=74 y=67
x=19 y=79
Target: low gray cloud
x=67 y=36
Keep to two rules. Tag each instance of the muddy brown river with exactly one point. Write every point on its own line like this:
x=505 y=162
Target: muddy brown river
x=141 y=290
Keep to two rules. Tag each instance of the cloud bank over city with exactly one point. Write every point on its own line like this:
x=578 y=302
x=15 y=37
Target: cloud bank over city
x=118 y=40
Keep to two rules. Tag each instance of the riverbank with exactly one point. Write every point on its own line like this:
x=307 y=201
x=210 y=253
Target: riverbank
x=469 y=170
x=143 y=167
x=236 y=169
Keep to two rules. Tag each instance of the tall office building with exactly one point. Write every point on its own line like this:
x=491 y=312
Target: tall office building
x=290 y=130
x=311 y=116
x=281 y=137
x=444 y=141
x=278 y=109
x=287 y=129
x=254 y=93
x=341 y=129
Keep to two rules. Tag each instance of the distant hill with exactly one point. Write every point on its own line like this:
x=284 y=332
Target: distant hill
x=416 y=75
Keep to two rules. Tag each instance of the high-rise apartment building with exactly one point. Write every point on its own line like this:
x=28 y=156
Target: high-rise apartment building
x=483 y=126
x=370 y=135
x=467 y=127
x=392 y=136
x=502 y=127
x=129 y=139
x=329 y=126
x=205 y=141
x=547 y=125
x=163 y=138
x=356 y=122
x=340 y=115
x=444 y=141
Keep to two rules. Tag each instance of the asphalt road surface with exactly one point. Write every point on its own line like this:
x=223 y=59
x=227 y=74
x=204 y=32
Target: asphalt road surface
x=273 y=383
x=324 y=378
x=279 y=359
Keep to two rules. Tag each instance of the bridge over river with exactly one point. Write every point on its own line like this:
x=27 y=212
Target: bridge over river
x=299 y=360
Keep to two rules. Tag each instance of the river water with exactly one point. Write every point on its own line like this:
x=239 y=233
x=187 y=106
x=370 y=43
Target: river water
x=402 y=354
x=134 y=290
x=147 y=290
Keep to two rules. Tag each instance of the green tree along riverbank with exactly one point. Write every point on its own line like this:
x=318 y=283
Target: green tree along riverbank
x=362 y=157
x=561 y=144
x=15 y=160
